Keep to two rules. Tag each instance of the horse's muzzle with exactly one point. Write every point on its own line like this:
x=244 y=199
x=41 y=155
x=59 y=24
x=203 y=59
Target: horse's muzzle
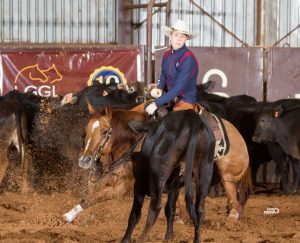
x=85 y=162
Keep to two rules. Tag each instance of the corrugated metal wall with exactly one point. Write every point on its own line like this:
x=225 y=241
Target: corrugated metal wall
x=283 y=17
x=58 y=21
x=95 y=21
x=237 y=16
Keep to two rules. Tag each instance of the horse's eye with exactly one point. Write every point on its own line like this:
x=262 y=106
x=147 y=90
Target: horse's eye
x=103 y=132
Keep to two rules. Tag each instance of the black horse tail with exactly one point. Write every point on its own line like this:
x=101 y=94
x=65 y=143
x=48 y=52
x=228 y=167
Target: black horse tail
x=190 y=155
x=244 y=187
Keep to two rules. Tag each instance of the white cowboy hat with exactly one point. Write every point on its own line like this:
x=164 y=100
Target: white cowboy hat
x=180 y=26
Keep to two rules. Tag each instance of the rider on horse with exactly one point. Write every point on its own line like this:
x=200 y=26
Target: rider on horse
x=179 y=72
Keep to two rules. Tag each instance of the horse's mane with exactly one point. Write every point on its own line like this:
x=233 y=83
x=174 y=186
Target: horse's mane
x=122 y=135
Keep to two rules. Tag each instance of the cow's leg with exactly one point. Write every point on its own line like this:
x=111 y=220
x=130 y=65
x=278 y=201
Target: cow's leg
x=284 y=175
x=25 y=168
x=153 y=212
x=3 y=161
x=282 y=164
x=135 y=215
x=202 y=188
x=296 y=174
x=170 y=211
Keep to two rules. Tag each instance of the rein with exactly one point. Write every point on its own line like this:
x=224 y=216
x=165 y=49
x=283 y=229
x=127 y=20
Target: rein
x=124 y=158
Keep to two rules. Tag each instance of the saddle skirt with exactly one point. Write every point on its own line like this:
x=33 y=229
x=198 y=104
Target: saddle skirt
x=217 y=126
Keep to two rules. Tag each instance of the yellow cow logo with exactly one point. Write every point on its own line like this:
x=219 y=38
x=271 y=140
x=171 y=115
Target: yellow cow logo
x=35 y=73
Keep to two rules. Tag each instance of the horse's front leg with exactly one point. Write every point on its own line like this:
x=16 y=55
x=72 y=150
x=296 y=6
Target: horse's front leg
x=135 y=215
x=170 y=211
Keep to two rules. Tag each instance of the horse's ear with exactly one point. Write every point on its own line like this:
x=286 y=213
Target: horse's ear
x=90 y=107
x=108 y=112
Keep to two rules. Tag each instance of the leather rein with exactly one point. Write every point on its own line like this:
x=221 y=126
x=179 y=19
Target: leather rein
x=115 y=163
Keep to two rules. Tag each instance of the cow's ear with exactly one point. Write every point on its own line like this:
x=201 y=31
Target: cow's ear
x=123 y=87
x=150 y=87
x=90 y=107
x=277 y=112
x=69 y=99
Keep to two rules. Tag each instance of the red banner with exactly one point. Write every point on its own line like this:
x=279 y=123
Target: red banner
x=57 y=71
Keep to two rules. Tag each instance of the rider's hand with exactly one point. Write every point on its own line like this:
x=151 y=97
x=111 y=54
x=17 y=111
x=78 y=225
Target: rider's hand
x=150 y=109
x=155 y=93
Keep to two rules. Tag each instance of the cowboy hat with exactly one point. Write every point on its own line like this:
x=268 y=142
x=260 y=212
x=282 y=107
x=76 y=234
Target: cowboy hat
x=180 y=26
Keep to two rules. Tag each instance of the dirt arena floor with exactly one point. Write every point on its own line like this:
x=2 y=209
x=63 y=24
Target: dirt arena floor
x=37 y=217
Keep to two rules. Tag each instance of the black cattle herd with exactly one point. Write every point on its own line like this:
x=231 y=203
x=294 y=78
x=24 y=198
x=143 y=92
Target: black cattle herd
x=40 y=125
x=42 y=137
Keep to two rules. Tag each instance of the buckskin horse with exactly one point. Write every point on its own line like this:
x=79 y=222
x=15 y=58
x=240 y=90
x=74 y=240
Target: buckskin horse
x=157 y=168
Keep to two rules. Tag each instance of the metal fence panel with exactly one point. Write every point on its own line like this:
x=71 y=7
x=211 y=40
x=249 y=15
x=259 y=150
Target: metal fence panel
x=283 y=73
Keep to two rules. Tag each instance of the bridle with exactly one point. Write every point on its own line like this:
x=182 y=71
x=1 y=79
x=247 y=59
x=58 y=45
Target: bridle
x=99 y=150
x=114 y=163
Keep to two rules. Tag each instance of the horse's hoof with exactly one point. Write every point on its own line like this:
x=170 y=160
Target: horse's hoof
x=180 y=221
x=234 y=214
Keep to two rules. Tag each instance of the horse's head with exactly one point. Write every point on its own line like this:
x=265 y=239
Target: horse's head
x=98 y=137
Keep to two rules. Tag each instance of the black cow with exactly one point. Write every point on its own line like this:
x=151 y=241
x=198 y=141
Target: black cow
x=279 y=127
x=113 y=95
x=12 y=132
x=242 y=111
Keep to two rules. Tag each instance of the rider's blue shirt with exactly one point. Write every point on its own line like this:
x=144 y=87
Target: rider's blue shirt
x=178 y=76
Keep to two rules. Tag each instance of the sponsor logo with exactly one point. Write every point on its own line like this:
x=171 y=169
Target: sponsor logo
x=271 y=211
x=219 y=73
x=42 y=80
x=107 y=75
